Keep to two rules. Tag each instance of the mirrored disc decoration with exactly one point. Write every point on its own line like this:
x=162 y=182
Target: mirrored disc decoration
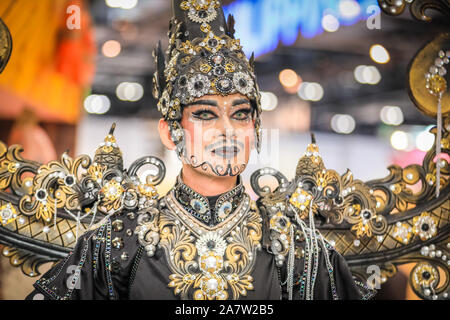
x=5 y=45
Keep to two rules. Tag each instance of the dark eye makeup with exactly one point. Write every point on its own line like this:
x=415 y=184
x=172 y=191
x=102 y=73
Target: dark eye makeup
x=204 y=114
x=242 y=114
x=207 y=114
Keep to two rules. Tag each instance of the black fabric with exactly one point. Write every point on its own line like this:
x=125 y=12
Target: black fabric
x=153 y=274
x=143 y=277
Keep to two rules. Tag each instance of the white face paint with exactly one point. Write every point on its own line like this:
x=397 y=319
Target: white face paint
x=219 y=133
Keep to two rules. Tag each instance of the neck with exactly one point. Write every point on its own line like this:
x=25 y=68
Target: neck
x=206 y=185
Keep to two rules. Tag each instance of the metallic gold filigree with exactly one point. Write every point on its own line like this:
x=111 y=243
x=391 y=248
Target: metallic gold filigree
x=52 y=204
x=417 y=8
x=210 y=263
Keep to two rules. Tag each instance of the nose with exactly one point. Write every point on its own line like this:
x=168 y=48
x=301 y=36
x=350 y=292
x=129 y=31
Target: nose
x=225 y=127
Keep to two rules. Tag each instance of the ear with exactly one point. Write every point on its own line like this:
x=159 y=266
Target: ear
x=164 y=134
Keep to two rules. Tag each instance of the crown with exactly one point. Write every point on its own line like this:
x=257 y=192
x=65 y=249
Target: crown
x=203 y=58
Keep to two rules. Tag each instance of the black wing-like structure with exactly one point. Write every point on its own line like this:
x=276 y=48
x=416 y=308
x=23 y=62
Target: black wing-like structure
x=45 y=208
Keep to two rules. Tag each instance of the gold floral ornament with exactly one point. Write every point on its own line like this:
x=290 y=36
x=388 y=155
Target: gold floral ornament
x=212 y=42
x=436 y=84
x=402 y=232
x=215 y=264
x=212 y=287
x=364 y=227
x=301 y=199
x=112 y=192
x=96 y=172
x=147 y=190
x=201 y=11
x=280 y=223
x=425 y=276
x=54 y=188
x=425 y=226
x=7 y=214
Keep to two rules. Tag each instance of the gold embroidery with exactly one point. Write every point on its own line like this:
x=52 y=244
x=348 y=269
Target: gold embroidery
x=210 y=262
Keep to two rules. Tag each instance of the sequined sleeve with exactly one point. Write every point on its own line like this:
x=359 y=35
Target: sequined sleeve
x=98 y=268
x=338 y=282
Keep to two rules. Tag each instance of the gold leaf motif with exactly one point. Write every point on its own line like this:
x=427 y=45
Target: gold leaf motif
x=211 y=272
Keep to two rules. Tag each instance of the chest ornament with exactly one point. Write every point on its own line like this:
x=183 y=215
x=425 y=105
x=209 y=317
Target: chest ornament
x=210 y=263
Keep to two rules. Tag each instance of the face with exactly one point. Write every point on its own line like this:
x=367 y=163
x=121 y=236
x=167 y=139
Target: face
x=219 y=134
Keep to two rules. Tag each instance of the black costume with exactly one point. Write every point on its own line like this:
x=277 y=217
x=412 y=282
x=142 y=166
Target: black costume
x=112 y=264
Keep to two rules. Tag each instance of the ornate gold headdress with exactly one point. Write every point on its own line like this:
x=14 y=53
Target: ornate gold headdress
x=203 y=58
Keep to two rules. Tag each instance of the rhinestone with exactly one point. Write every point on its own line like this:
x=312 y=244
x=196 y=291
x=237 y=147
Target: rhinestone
x=438 y=62
x=212 y=284
x=38 y=296
x=117 y=225
x=424 y=251
x=117 y=243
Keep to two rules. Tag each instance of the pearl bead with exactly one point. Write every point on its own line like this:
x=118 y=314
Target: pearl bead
x=424 y=251
x=211 y=262
x=212 y=284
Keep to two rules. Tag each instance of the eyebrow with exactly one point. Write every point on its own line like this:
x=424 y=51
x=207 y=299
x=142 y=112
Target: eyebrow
x=203 y=102
x=240 y=101
x=213 y=103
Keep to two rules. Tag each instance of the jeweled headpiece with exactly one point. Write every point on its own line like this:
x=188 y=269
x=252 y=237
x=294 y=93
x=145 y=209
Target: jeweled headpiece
x=203 y=58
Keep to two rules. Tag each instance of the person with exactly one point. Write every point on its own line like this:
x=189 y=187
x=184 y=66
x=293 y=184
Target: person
x=206 y=239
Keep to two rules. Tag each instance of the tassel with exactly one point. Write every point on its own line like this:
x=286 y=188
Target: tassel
x=290 y=265
x=94 y=209
x=438 y=144
x=54 y=216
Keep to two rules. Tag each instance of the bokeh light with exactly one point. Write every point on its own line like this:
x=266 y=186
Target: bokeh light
x=129 y=91
x=424 y=140
x=97 y=104
x=311 y=91
x=111 y=48
x=349 y=9
x=379 y=54
x=367 y=74
x=391 y=115
x=289 y=78
x=343 y=123
x=269 y=101
x=330 y=23
x=399 y=140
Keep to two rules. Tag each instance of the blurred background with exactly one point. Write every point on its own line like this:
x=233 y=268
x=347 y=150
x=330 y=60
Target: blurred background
x=333 y=67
